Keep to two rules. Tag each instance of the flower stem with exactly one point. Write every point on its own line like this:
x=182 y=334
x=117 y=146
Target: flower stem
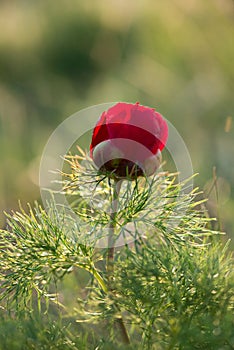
x=110 y=256
x=111 y=235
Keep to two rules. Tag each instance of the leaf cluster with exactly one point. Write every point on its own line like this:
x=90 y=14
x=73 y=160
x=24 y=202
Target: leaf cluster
x=172 y=285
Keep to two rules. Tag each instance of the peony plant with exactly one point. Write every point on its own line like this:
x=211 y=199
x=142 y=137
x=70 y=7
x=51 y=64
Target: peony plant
x=142 y=266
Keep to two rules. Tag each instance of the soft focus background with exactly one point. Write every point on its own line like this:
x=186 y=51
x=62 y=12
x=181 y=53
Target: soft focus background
x=57 y=57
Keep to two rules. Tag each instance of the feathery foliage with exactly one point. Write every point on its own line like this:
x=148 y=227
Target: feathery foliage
x=172 y=284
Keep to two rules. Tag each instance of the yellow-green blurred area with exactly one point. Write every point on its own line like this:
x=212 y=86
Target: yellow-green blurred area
x=57 y=57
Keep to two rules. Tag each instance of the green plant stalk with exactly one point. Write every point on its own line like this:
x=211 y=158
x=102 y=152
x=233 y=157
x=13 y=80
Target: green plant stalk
x=111 y=238
x=111 y=253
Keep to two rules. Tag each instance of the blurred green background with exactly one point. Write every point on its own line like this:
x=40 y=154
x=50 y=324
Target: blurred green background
x=57 y=57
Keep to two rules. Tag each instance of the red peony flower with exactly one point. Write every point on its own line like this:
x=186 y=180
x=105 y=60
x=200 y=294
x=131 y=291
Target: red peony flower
x=127 y=140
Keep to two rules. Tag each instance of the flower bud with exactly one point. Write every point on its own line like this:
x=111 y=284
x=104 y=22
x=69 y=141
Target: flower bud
x=127 y=141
